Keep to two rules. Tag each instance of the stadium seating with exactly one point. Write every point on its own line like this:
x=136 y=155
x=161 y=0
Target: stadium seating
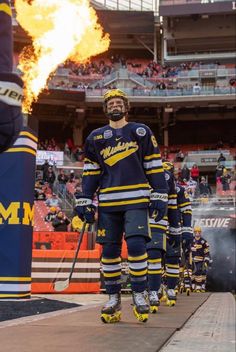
x=40 y=211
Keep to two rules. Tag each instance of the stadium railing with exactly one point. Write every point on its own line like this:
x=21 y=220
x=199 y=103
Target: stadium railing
x=168 y=92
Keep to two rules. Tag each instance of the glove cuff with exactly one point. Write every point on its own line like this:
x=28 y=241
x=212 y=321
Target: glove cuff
x=159 y=196
x=12 y=85
x=175 y=231
x=187 y=229
x=80 y=202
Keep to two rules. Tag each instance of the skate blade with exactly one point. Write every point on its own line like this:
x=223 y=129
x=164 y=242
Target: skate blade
x=154 y=309
x=111 y=318
x=143 y=318
x=171 y=302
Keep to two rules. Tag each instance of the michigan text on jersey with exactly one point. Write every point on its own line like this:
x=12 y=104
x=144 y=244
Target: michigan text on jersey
x=17 y=213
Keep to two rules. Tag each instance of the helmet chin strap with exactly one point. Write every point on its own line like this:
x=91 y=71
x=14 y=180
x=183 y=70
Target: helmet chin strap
x=116 y=115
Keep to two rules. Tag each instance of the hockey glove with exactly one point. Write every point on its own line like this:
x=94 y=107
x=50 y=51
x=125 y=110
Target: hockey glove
x=174 y=236
x=85 y=210
x=11 y=119
x=158 y=205
x=187 y=237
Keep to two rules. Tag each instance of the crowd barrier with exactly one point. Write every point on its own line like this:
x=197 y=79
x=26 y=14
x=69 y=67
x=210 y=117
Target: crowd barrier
x=52 y=257
x=59 y=240
x=49 y=266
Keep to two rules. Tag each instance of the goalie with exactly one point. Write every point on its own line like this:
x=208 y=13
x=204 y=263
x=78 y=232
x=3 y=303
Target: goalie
x=10 y=84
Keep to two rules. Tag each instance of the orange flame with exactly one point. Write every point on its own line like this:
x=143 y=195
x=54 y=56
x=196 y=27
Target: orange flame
x=60 y=30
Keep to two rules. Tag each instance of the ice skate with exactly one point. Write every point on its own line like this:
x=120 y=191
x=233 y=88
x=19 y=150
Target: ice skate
x=171 y=298
x=111 y=312
x=188 y=291
x=154 y=301
x=203 y=288
x=141 y=307
x=162 y=294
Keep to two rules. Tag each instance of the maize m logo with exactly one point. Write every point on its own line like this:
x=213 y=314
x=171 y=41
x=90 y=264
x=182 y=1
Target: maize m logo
x=17 y=213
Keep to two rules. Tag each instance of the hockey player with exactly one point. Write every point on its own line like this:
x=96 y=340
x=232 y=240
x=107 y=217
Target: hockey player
x=185 y=219
x=10 y=84
x=164 y=242
x=201 y=260
x=122 y=162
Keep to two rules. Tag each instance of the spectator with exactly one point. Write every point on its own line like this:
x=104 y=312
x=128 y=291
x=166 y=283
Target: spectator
x=50 y=177
x=39 y=193
x=179 y=156
x=60 y=222
x=194 y=172
x=225 y=180
x=191 y=186
x=51 y=214
x=219 y=170
x=204 y=188
x=54 y=201
x=72 y=176
x=45 y=167
x=185 y=173
x=221 y=160
x=196 y=89
x=62 y=181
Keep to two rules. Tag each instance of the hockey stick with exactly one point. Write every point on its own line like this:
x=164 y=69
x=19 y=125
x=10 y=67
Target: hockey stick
x=62 y=285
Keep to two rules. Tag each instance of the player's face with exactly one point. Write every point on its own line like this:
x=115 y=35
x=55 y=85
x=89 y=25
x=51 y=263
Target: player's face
x=197 y=233
x=115 y=104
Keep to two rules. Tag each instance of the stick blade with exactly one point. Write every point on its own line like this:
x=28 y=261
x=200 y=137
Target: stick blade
x=61 y=285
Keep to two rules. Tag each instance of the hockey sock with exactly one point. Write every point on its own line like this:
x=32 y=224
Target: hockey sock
x=137 y=258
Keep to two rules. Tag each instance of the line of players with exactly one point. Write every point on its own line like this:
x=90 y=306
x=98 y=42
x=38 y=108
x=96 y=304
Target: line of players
x=180 y=253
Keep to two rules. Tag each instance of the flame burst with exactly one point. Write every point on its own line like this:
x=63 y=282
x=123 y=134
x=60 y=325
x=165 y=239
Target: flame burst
x=60 y=30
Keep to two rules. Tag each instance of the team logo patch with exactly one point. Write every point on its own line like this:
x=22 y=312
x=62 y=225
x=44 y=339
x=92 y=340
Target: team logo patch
x=167 y=177
x=107 y=134
x=154 y=142
x=141 y=131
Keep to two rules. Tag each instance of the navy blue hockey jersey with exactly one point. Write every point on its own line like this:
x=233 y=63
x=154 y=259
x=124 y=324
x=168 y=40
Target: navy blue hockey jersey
x=172 y=218
x=122 y=164
x=200 y=250
x=185 y=209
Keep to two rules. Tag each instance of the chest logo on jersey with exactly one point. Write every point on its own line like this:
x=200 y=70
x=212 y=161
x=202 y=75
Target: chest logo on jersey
x=113 y=155
x=107 y=134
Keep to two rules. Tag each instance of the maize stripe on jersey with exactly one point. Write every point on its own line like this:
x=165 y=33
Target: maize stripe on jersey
x=20 y=150
x=89 y=173
x=28 y=134
x=152 y=156
x=136 y=201
x=2 y=278
x=154 y=171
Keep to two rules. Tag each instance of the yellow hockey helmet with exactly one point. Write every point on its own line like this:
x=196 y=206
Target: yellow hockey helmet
x=197 y=229
x=114 y=93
